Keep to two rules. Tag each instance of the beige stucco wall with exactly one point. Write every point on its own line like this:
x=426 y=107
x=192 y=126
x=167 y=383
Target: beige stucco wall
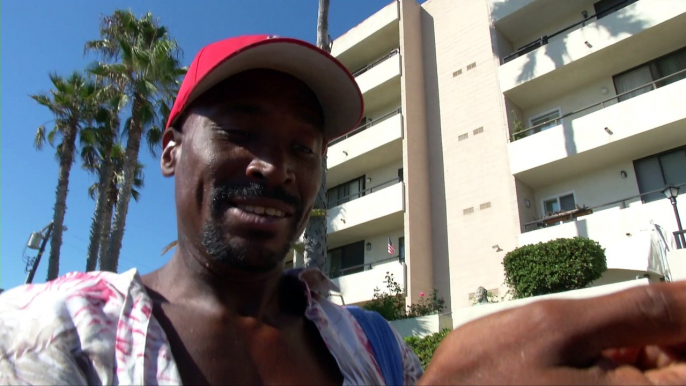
x=476 y=170
x=418 y=245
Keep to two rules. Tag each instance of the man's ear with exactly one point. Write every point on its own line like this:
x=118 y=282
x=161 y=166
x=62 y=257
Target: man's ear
x=171 y=140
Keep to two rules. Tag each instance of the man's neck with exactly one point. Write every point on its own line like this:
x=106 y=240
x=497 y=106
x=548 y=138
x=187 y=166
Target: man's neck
x=185 y=280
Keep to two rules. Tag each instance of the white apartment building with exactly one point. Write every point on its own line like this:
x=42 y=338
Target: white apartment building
x=492 y=124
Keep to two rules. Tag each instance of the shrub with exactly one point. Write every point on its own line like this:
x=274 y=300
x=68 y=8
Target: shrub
x=390 y=303
x=556 y=266
x=425 y=347
x=426 y=306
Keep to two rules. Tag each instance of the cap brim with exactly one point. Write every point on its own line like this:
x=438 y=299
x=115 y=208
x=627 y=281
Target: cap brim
x=332 y=83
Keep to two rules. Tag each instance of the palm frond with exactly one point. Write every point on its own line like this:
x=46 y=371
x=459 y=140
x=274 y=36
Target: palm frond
x=39 y=139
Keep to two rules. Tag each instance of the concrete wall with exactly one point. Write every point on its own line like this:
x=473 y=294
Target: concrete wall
x=475 y=171
x=467 y=314
x=423 y=325
x=418 y=244
x=359 y=287
x=592 y=189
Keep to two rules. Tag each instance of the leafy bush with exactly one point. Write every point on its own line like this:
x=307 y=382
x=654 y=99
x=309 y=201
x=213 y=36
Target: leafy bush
x=390 y=303
x=425 y=347
x=426 y=306
x=556 y=266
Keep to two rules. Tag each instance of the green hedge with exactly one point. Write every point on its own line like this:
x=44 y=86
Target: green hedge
x=556 y=266
x=425 y=347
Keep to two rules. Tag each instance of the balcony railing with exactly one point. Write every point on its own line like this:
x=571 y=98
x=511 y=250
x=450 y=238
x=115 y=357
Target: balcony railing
x=542 y=41
x=366 y=126
x=571 y=215
x=376 y=62
x=654 y=85
x=354 y=196
x=362 y=267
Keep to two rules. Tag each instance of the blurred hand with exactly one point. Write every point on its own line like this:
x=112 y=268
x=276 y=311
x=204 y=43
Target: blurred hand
x=637 y=336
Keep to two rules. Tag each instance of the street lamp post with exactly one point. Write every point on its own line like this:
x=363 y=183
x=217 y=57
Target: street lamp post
x=44 y=241
x=671 y=192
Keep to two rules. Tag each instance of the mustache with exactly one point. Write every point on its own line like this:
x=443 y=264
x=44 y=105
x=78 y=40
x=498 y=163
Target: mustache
x=227 y=191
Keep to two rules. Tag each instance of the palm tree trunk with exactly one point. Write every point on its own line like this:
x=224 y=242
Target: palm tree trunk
x=315 y=234
x=97 y=225
x=132 y=147
x=66 y=159
x=107 y=224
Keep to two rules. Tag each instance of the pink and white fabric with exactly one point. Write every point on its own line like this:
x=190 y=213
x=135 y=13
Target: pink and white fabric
x=98 y=328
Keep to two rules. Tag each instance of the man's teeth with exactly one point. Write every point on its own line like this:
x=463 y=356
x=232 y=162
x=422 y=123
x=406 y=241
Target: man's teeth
x=261 y=210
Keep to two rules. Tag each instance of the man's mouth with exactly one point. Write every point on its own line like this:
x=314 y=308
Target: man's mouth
x=261 y=210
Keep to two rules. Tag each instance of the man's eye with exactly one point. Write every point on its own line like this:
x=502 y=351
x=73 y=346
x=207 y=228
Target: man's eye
x=304 y=149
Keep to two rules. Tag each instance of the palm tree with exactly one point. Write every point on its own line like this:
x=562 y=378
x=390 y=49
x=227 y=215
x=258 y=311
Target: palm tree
x=96 y=155
x=102 y=218
x=71 y=101
x=314 y=238
x=145 y=67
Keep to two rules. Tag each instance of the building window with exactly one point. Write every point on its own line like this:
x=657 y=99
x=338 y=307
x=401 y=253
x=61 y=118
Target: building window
x=348 y=191
x=346 y=260
x=659 y=170
x=606 y=7
x=558 y=204
x=401 y=248
x=648 y=72
x=400 y=174
x=549 y=116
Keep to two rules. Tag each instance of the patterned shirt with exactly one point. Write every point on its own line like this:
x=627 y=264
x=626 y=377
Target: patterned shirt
x=98 y=328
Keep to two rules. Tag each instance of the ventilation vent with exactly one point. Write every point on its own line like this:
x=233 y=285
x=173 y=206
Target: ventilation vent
x=478 y=131
x=468 y=211
x=456 y=73
x=469 y=67
x=485 y=205
x=463 y=137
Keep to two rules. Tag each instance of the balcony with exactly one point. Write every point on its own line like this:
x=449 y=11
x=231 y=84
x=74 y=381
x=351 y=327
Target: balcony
x=623 y=227
x=366 y=148
x=379 y=81
x=630 y=242
x=608 y=132
x=368 y=40
x=590 y=48
x=378 y=209
x=359 y=287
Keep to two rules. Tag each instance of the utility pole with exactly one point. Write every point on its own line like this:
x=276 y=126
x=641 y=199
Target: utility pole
x=36 y=261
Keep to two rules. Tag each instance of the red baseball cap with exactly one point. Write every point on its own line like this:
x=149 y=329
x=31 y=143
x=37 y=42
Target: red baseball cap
x=335 y=87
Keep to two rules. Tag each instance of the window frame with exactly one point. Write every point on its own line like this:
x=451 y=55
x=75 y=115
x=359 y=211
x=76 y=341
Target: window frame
x=558 y=110
x=362 y=178
x=662 y=171
x=557 y=196
x=652 y=66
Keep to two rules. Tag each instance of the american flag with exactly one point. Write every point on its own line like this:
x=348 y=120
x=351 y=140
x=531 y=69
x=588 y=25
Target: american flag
x=391 y=250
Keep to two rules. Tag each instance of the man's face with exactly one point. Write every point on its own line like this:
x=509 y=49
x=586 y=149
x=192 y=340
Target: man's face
x=248 y=169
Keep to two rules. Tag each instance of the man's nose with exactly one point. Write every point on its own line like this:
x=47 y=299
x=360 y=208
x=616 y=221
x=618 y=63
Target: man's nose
x=271 y=166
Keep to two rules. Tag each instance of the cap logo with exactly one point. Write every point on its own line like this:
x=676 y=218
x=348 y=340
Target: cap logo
x=272 y=36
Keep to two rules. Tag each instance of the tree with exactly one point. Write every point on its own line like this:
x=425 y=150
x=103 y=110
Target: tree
x=109 y=170
x=97 y=143
x=71 y=101
x=314 y=238
x=141 y=60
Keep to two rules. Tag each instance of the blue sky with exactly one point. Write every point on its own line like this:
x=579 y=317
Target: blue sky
x=41 y=36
